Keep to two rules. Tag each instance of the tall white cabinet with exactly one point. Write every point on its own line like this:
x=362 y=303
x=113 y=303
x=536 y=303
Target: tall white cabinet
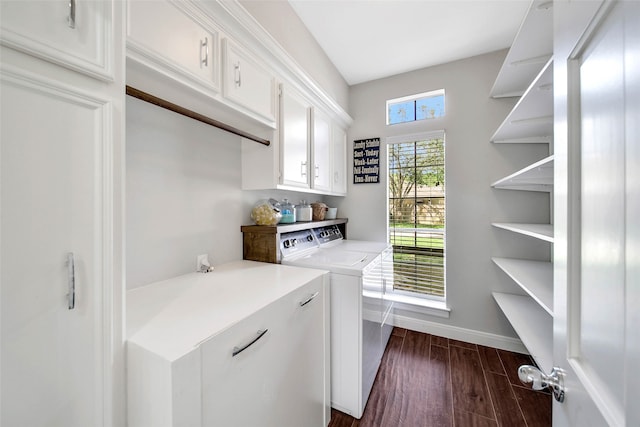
x=61 y=231
x=528 y=72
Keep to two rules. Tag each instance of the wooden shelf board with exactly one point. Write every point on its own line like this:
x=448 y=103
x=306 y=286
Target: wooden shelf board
x=535 y=177
x=539 y=231
x=533 y=325
x=532 y=116
x=534 y=277
x=531 y=48
x=296 y=226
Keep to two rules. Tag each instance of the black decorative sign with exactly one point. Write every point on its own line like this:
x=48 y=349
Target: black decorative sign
x=366 y=161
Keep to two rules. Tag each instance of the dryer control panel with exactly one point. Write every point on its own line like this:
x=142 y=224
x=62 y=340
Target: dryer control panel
x=297 y=241
x=327 y=234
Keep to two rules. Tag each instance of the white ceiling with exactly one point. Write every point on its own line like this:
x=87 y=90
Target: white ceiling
x=372 y=39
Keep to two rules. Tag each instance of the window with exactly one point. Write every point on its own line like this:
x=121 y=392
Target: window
x=417 y=214
x=422 y=106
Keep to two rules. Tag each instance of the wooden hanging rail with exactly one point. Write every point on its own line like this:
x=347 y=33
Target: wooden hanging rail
x=131 y=91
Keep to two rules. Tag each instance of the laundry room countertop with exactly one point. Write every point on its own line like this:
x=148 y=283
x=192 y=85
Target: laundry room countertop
x=172 y=317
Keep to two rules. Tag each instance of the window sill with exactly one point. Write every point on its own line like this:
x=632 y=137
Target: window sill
x=419 y=305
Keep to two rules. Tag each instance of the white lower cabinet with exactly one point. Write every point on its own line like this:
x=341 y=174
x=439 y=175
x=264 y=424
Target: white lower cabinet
x=275 y=380
x=246 y=345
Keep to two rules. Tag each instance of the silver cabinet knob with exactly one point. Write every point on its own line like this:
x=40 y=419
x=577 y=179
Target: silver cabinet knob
x=540 y=381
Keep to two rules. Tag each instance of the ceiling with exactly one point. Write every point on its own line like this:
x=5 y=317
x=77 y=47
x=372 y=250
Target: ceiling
x=371 y=39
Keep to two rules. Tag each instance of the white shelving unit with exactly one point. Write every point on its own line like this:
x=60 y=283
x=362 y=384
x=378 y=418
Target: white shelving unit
x=539 y=231
x=534 y=277
x=533 y=325
x=535 y=177
x=532 y=47
x=528 y=72
x=531 y=120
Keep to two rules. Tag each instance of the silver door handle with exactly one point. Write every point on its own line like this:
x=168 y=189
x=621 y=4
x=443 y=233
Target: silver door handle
x=71 y=272
x=303 y=168
x=539 y=380
x=237 y=350
x=308 y=300
x=204 y=46
x=317 y=171
x=72 y=14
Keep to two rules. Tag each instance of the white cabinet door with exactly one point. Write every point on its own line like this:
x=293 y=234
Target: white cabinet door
x=73 y=33
x=294 y=138
x=277 y=378
x=56 y=197
x=247 y=82
x=178 y=39
x=321 y=151
x=339 y=162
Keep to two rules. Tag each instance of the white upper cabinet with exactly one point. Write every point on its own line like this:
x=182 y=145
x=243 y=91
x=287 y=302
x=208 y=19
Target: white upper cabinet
x=295 y=113
x=74 y=34
x=321 y=151
x=178 y=39
x=247 y=82
x=339 y=163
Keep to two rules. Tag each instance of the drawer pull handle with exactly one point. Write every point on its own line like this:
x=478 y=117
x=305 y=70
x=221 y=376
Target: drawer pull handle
x=237 y=74
x=71 y=284
x=238 y=350
x=72 y=14
x=308 y=300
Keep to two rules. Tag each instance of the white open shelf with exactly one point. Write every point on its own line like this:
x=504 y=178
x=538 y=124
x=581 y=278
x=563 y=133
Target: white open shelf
x=539 y=231
x=534 y=277
x=531 y=120
x=533 y=325
x=535 y=177
x=531 y=49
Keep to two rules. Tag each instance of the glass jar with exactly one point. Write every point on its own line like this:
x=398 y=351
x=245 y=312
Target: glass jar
x=288 y=212
x=303 y=211
x=266 y=212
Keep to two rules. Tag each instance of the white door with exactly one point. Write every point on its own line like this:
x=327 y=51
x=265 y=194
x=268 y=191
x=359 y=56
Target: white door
x=597 y=273
x=55 y=343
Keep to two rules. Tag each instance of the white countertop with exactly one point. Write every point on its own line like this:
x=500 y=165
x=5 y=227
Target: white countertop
x=170 y=318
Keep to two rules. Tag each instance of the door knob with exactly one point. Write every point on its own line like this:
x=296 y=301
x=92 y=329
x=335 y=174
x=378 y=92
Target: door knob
x=539 y=380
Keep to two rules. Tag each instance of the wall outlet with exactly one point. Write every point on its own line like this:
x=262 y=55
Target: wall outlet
x=202 y=260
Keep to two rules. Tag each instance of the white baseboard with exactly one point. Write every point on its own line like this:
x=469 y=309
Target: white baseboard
x=460 y=334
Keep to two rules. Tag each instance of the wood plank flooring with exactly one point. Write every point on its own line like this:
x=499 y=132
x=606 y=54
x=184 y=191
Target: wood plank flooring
x=430 y=381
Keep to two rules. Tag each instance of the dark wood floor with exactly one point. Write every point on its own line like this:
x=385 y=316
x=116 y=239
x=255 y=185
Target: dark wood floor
x=426 y=380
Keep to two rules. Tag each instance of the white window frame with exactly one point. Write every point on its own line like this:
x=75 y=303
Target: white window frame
x=411 y=300
x=432 y=93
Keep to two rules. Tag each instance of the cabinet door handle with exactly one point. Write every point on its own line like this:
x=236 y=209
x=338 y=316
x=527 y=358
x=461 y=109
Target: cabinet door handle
x=317 y=171
x=237 y=74
x=71 y=272
x=308 y=300
x=204 y=47
x=303 y=168
x=72 y=14
x=237 y=350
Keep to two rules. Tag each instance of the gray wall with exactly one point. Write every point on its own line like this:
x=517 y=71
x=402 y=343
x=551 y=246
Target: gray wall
x=183 y=194
x=281 y=21
x=473 y=163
